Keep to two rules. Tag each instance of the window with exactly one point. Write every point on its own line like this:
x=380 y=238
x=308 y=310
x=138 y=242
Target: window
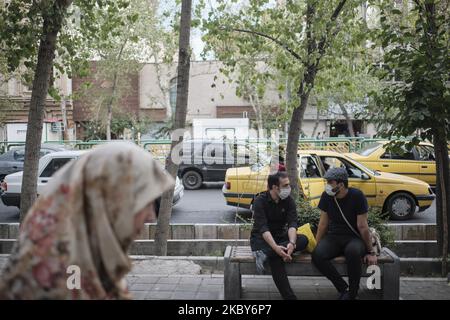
x=369 y=149
x=333 y=162
x=399 y=155
x=53 y=166
x=309 y=168
x=214 y=153
x=43 y=152
x=220 y=134
x=426 y=153
x=19 y=155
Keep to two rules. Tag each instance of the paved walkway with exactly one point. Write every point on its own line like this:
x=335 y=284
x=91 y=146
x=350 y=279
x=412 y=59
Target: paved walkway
x=210 y=287
x=154 y=278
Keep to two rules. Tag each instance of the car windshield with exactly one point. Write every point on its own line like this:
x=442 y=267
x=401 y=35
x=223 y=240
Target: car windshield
x=369 y=149
x=374 y=172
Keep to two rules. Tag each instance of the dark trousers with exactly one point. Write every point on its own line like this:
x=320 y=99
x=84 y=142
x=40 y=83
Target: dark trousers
x=278 y=269
x=332 y=246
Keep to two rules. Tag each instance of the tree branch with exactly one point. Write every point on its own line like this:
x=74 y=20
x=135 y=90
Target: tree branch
x=323 y=41
x=278 y=42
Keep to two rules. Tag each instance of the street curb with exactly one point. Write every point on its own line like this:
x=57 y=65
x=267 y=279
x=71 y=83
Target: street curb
x=232 y=231
x=216 y=247
x=410 y=267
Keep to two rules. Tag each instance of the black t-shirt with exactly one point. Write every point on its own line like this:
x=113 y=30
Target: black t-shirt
x=274 y=217
x=352 y=205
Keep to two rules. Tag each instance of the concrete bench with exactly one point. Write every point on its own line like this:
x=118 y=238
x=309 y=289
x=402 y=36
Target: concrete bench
x=238 y=261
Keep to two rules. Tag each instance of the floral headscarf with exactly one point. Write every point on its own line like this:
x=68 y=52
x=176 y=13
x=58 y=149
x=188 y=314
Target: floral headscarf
x=84 y=218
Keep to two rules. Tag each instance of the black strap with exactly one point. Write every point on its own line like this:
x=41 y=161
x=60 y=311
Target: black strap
x=345 y=219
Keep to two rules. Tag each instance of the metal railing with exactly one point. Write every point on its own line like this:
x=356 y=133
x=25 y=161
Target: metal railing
x=160 y=148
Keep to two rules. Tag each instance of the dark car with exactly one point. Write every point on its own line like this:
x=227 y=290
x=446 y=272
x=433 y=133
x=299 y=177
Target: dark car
x=208 y=161
x=12 y=160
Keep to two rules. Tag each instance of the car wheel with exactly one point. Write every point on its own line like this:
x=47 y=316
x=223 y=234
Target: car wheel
x=192 y=180
x=401 y=206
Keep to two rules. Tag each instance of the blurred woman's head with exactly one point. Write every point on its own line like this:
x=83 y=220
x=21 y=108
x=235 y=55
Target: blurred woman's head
x=87 y=216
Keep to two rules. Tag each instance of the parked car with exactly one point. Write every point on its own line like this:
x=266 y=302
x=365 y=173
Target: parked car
x=12 y=160
x=48 y=165
x=208 y=160
x=398 y=195
x=419 y=162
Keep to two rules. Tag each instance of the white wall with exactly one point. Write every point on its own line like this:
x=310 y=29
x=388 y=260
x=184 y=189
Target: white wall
x=208 y=88
x=18 y=132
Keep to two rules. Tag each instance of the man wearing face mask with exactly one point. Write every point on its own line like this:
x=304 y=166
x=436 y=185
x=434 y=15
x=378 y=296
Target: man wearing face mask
x=274 y=234
x=335 y=237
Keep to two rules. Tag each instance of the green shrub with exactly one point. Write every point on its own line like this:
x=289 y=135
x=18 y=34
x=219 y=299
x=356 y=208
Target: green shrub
x=378 y=221
x=307 y=214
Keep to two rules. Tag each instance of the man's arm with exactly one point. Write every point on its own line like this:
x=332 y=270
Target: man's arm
x=292 y=234
x=292 y=222
x=260 y=222
x=323 y=226
x=363 y=228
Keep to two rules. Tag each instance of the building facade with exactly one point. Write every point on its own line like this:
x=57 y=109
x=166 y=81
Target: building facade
x=152 y=94
x=58 y=115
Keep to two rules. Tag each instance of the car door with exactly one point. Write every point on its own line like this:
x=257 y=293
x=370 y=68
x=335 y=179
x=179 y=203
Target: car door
x=310 y=178
x=49 y=170
x=215 y=160
x=425 y=154
x=8 y=163
x=18 y=160
x=357 y=177
x=400 y=163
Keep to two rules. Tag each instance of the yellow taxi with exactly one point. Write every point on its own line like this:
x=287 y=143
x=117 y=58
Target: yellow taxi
x=419 y=162
x=398 y=195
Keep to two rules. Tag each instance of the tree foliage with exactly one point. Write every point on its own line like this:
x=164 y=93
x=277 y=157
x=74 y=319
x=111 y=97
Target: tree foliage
x=415 y=96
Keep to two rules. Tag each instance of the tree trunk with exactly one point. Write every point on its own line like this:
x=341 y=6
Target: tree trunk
x=110 y=104
x=108 y=122
x=258 y=113
x=44 y=69
x=184 y=56
x=315 y=51
x=64 y=118
x=349 y=121
x=292 y=142
x=316 y=124
x=113 y=92
x=442 y=196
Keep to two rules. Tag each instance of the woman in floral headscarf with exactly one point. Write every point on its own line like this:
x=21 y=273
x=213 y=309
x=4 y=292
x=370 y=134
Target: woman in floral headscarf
x=87 y=217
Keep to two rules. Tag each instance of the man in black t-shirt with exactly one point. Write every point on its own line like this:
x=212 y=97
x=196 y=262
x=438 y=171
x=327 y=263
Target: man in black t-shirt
x=336 y=237
x=274 y=233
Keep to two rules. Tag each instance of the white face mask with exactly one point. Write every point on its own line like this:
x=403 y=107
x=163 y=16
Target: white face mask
x=329 y=190
x=285 y=192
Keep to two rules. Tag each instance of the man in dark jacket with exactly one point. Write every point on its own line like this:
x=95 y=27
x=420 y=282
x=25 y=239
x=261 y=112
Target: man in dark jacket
x=274 y=234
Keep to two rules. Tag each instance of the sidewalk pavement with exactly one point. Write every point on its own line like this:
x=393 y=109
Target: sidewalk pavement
x=160 y=279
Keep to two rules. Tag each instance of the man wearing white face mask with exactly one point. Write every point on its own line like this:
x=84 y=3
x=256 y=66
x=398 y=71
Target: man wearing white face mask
x=343 y=230
x=274 y=234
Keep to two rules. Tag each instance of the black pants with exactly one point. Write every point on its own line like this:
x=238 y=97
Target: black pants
x=332 y=246
x=277 y=266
